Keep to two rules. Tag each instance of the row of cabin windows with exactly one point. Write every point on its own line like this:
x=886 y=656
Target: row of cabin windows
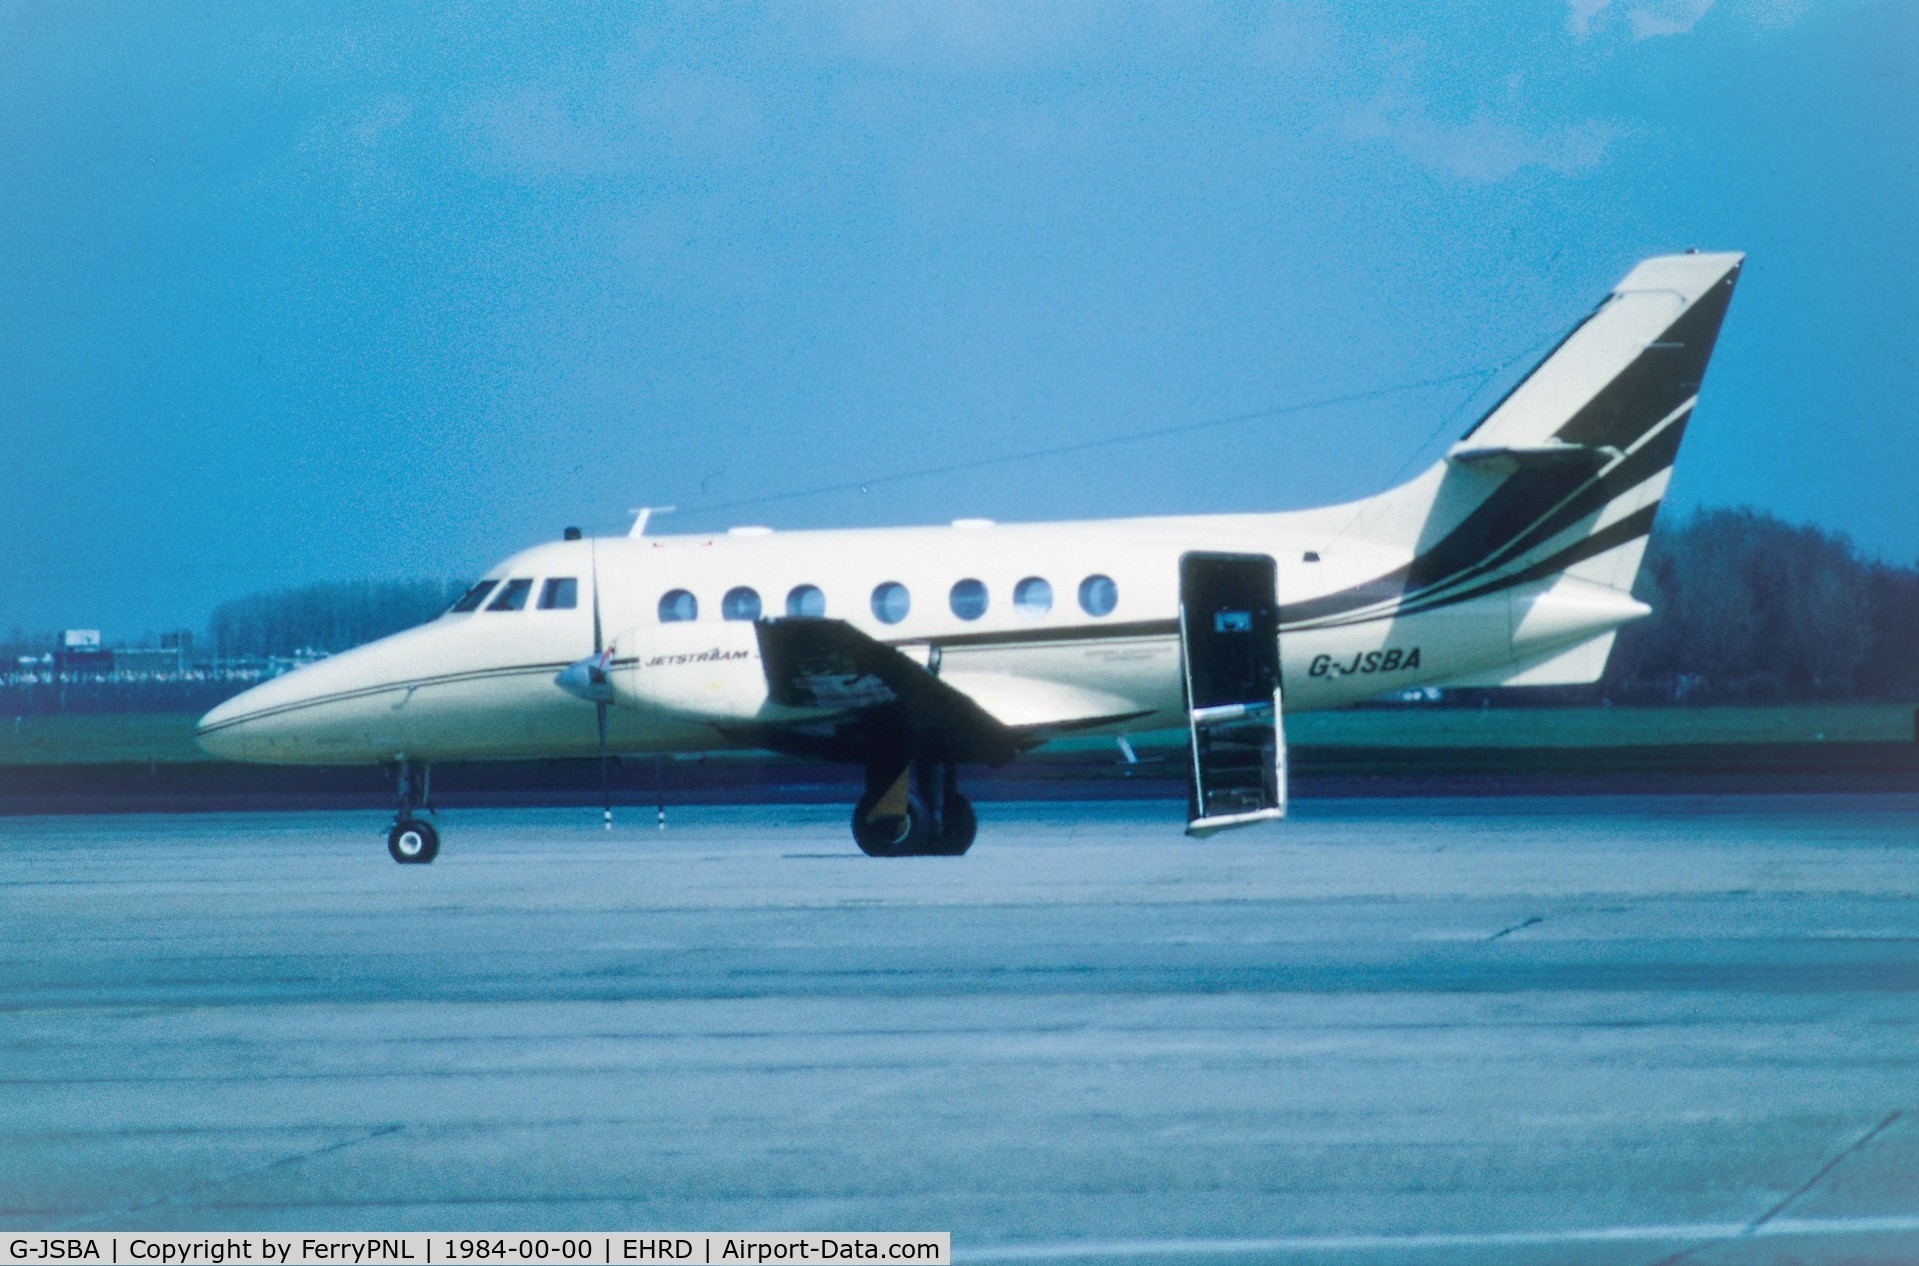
x=558 y=593
x=891 y=601
x=968 y=599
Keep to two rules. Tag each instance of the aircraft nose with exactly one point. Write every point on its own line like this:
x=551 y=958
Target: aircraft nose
x=231 y=730
x=311 y=714
x=351 y=708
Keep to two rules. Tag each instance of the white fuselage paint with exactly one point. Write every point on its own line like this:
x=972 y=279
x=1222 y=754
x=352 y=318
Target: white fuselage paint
x=481 y=685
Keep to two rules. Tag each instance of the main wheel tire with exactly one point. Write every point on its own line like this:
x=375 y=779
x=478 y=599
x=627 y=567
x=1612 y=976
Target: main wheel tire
x=413 y=842
x=956 y=832
x=891 y=835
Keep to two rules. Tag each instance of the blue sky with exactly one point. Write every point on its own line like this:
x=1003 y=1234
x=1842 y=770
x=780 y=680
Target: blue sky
x=294 y=293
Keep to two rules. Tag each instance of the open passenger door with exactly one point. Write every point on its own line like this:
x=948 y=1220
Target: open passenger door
x=1229 y=650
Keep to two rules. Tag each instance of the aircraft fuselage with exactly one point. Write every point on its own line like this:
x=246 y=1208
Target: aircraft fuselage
x=480 y=685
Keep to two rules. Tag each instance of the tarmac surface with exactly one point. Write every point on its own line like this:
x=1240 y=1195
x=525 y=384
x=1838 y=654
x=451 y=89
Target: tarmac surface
x=1602 y=1029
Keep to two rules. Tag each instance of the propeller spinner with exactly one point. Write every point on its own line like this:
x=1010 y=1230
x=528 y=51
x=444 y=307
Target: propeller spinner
x=590 y=679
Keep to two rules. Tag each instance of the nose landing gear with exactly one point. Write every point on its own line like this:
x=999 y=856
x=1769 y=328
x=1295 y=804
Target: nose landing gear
x=930 y=819
x=412 y=840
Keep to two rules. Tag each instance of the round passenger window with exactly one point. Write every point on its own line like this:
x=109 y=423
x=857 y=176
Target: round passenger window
x=1032 y=597
x=891 y=602
x=806 y=600
x=740 y=604
x=1098 y=595
x=968 y=599
x=678 y=605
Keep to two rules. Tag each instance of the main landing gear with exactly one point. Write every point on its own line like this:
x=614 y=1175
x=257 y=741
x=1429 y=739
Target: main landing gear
x=413 y=840
x=928 y=818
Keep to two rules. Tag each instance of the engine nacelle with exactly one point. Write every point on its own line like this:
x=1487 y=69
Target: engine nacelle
x=703 y=672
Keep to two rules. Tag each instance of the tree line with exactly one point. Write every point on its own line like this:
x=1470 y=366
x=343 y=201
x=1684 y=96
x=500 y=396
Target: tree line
x=323 y=619
x=1749 y=608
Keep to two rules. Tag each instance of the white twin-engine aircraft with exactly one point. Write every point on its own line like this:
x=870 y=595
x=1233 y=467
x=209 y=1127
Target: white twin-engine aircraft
x=913 y=651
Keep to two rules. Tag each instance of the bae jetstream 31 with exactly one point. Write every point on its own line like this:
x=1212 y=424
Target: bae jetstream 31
x=914 y=651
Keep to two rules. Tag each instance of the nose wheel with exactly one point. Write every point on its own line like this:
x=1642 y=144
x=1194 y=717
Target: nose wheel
x=413 y=841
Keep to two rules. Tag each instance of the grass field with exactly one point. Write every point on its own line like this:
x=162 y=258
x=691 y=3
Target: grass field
x=167 y=737
x=1575 y=727
x=162 y=737
x=1606 y=727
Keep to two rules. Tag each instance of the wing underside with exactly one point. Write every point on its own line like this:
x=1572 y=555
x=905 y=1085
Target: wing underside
x=868 y=697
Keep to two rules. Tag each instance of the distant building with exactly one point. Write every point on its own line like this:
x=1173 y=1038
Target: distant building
x=80 y=652
x=182 y=643
x=159 y=661
x=83 y=659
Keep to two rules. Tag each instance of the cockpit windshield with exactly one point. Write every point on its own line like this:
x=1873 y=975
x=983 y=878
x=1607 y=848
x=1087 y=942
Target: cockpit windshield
x=472 y=598
x=512 y=597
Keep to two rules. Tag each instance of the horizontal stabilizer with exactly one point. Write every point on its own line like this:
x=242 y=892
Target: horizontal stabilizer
x=1507 y=458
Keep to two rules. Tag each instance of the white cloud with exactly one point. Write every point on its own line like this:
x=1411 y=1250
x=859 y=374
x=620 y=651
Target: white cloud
x=1646 y=19
x=380 y=119
x=1485 y=148
x=1580 y=15
x=970 y=32
x=1674 y=17
x=1773 y=14
x=622 y=125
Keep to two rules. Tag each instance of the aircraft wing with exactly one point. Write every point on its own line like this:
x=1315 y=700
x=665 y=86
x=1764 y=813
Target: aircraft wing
x=880 y=696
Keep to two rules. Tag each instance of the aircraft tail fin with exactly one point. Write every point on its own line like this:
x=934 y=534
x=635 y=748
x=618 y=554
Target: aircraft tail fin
x=1562 y=477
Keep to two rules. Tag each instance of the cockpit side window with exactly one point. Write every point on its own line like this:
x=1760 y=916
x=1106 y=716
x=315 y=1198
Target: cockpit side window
x=472 y=598
x=561 y=593
x=513 y=595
